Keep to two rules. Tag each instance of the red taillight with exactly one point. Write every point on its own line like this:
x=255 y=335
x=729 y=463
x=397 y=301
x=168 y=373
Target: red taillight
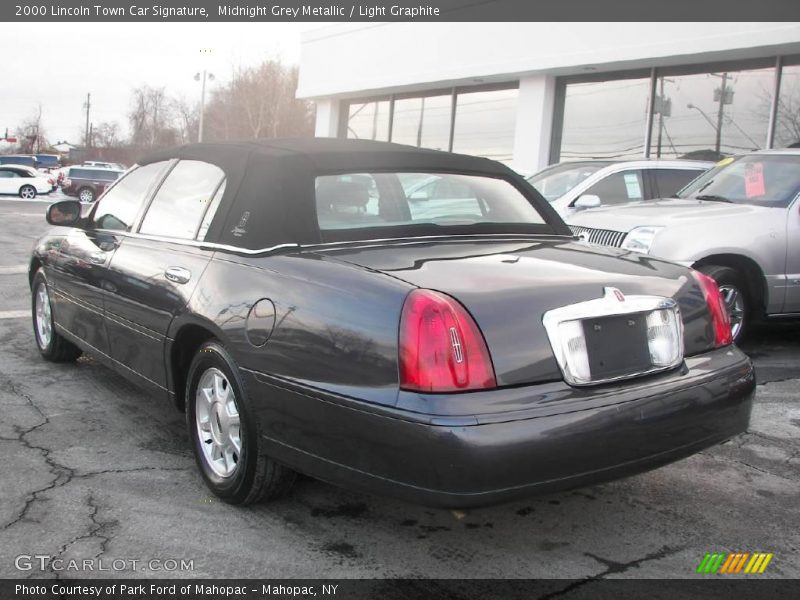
x=441 y=347
x=716 y=306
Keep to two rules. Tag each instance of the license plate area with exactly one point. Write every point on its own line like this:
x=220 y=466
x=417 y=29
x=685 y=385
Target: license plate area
x=616 y=346
x=615 y=337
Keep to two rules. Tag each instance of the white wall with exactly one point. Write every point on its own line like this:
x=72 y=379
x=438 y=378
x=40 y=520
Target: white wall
x=361 y=58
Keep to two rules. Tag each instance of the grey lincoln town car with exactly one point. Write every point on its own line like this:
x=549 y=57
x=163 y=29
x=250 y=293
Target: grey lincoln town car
x=311 y=310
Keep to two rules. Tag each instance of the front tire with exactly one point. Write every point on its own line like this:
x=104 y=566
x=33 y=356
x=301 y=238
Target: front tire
x=225 y=433
x=736 y=296
x=51 y=344
x=27 y=192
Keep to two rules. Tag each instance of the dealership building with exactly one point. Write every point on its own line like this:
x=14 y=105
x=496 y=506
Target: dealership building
x=531 y=94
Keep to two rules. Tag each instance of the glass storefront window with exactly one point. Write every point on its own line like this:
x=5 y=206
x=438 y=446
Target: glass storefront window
x=787 y=123
x=369 y=120
x=605 y=119
x=422 y=121
x=712 y=115
x=484 y=123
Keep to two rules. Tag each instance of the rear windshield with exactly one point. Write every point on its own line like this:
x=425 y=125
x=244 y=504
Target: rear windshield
x=96 y=174
x=380 y=205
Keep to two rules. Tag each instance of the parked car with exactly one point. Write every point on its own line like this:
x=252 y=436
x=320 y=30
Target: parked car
x=102 y=165
x=87 y=183
x=572 y=186
x=25 y=182
x=738 y=223
x=18 y=159
x=284 y=296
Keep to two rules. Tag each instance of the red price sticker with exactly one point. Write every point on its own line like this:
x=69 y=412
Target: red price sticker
x=754 y=180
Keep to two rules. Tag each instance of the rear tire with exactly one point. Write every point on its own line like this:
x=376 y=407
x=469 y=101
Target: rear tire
x=27 y=192
x=225 y=432
x=51 y=344
x=736 y=295
x=86 y=194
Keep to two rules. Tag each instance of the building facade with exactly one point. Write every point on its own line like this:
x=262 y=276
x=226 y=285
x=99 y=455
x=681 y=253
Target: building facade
x=531 y=94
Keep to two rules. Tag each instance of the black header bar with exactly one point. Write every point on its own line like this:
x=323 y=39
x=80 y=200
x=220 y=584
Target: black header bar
x=396 y=10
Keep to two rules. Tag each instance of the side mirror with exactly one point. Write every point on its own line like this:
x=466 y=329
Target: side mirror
x=588 y=201
x=66 y=213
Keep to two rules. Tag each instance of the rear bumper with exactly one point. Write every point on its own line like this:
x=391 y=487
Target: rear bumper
x=473 y=460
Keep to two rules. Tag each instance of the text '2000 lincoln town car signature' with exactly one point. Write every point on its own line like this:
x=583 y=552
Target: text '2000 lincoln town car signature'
x=405 y=321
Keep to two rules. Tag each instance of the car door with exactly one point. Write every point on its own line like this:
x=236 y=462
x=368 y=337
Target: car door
x=8 y=182
x=792 y=302
x=80 y=271
x=155 y=271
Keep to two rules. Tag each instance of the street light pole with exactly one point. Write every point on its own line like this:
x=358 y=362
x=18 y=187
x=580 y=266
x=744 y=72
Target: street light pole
x=202 y=107
x=205 y=75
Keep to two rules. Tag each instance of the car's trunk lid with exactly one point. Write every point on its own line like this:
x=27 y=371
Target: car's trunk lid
x=507 y=286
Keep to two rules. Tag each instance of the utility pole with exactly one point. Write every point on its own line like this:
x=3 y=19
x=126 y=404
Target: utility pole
x=202 y=107
x=721 y=112
x=88 y=106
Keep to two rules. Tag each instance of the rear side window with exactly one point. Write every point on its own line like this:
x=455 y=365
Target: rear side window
x=118 y=208
x=670 y=181
x=418 y=203
x=95 y=174
x=182 y=200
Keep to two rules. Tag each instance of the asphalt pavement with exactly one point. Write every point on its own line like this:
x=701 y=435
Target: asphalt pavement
x=95 y=469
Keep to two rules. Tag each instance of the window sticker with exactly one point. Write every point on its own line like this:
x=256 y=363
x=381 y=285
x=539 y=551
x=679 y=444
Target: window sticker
x=754 y=180
x=632 y=186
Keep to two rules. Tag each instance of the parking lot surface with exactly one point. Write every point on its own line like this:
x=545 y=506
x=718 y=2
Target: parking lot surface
x=93 y=468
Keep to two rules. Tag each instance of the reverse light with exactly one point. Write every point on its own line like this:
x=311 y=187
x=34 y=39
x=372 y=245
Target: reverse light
x=640 y=239
x=441 y=348
x=716 y=306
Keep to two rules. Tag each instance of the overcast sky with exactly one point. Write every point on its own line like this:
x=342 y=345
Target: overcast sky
x=57 y=64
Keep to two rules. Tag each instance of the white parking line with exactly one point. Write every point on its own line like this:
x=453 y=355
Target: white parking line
x=14 y=314
x=13 y=270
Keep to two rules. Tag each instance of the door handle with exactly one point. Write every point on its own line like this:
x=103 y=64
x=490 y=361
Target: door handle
x=98 y=258
x=178 y=274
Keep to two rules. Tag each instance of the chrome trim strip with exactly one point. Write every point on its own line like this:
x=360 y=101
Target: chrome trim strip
x=409 y=240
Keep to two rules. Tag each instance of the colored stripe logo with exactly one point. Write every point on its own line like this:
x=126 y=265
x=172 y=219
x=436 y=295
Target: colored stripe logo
x=732 y=563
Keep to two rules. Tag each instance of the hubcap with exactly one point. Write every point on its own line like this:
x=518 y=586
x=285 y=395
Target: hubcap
x=217 y=420
x=734 y=302
x=28 y=192
x=86 y=196
x=44 y=320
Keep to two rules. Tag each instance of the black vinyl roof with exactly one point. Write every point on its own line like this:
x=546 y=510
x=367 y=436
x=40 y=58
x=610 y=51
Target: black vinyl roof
x=335 y=154
x=269 y=197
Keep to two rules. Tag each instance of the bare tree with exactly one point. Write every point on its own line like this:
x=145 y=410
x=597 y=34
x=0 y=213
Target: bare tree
x=106 y=135
x=258 y=102
x=151 y=118
x=787 y=124
x=187 y=119
x=31 y=133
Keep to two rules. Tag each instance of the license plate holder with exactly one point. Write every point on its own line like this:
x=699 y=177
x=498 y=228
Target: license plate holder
x=616 y=345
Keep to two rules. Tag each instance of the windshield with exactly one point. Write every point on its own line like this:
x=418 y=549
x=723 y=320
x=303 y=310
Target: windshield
x=554 y=182
x=382 y=205
x=760 y=179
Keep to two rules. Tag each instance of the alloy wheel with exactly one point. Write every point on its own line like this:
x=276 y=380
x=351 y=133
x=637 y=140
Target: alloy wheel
x=44 y=317
x=27 y=192
x=734 y=303
x=86 y=195
x=217 y=422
